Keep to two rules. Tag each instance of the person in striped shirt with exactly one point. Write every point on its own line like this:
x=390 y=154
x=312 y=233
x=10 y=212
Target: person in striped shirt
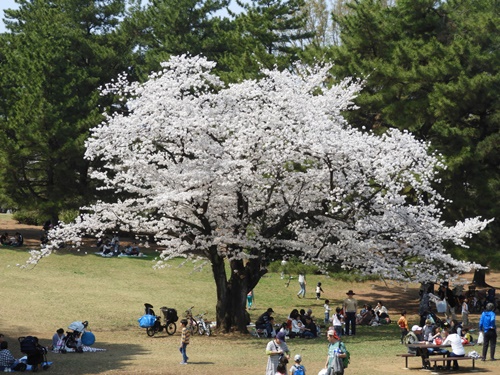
x=184 y=341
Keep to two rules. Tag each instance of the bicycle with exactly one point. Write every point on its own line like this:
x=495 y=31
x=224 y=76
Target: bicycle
x=169 y=318
x=192 y=324
x=203 y=325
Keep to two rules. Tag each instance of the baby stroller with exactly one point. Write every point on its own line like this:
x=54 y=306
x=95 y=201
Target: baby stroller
x=72 y=341
x=36 y=354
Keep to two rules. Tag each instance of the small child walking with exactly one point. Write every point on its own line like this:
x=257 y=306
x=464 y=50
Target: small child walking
x=319 y=290
x=337 y=320
x=297 y=368
x=403 y=325
x=465 y=312
x=327 y=311
x=250 y=299
x=184 y=341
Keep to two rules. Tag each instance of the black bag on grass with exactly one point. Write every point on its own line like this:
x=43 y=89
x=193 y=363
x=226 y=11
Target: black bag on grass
x=29 y=345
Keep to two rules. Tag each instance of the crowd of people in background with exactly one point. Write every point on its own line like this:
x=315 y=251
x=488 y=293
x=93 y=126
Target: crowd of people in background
x=342 y=320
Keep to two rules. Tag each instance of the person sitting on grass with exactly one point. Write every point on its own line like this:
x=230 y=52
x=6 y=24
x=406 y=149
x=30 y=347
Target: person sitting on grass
x=5 y=239
x=310 y=329
x=7 y=360
x=264 y=322
x=132 y=250
x=18 y=240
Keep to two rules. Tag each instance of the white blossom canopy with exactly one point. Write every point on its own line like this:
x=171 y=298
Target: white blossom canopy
x=267 y=164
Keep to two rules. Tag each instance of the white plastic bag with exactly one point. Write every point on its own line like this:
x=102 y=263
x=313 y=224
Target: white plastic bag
x=480 y=338
x=441 y=307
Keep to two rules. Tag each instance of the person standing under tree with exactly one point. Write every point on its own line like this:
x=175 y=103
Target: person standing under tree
x=302 y=283
x=184 y=341
x=350 y=308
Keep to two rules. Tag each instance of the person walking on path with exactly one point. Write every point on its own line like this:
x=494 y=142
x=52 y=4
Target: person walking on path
x=184 y=341
x=488 y=326
x=302 y=283
x=350 y=308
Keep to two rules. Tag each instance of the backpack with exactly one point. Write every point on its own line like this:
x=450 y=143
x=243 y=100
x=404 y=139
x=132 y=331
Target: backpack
x=347 y=358
x=29 y=345
x=299 y=370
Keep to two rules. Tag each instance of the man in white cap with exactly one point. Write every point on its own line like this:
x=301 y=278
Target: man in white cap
x=416 y=337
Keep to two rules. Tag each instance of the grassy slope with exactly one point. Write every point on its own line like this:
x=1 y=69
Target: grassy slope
x=110 y=293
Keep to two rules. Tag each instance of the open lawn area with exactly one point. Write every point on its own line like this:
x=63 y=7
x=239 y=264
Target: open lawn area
x=110 y=293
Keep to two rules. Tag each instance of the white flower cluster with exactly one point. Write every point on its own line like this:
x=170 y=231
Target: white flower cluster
x=230 y=170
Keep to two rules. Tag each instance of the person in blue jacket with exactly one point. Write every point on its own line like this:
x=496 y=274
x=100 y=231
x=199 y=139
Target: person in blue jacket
x=488 y=327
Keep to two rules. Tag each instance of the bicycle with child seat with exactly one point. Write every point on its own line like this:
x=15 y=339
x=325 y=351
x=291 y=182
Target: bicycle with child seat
x=169 y=319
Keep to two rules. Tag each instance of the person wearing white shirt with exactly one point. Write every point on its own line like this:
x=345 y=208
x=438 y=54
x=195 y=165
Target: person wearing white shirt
x=457 y=349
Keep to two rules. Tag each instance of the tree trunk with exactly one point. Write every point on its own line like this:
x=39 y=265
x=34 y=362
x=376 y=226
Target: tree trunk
x=231 y=294
x=480 y=279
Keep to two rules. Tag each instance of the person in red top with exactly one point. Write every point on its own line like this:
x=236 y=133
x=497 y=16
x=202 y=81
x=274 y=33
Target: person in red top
x=403 y=325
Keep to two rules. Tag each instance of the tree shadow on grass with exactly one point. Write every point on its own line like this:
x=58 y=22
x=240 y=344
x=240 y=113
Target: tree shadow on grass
x=117 y=357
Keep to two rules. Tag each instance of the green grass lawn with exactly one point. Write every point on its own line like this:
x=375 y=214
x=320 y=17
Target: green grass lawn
x=110 y=293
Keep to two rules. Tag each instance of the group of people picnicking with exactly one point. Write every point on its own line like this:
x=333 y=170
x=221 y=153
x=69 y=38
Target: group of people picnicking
x=451 y=331
x=109 y=247
x=8 y=363
x=16 y=240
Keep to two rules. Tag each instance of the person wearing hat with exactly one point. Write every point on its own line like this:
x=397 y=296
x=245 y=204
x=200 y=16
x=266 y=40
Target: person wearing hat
x=275 y=350
x=488 y=326
x=297 y=368
x=350 y=308
x=264 y=322
x=416 y=337
x=336 y=352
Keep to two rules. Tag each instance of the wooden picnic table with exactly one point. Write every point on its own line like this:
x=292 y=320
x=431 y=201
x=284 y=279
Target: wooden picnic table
x=443 y=359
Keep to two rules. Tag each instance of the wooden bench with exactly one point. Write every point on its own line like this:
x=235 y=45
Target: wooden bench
x=444 y=360
x=406 y=356
x=409 y=355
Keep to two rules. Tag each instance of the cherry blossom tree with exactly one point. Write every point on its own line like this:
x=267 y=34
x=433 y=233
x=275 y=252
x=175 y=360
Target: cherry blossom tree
x=236 y=173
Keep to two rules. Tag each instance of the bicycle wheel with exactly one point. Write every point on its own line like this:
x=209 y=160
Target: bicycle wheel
x=171 y=328
x=201 y=330
x=151 y=331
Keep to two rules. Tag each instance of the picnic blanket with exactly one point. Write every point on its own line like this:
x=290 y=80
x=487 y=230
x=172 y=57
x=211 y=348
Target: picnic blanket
x=110 y=255
x=86 y=349
x=29 y=367
x=140 y=255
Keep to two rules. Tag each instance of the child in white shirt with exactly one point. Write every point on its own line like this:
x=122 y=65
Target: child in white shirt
x=327 y=311
x=318 y=291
